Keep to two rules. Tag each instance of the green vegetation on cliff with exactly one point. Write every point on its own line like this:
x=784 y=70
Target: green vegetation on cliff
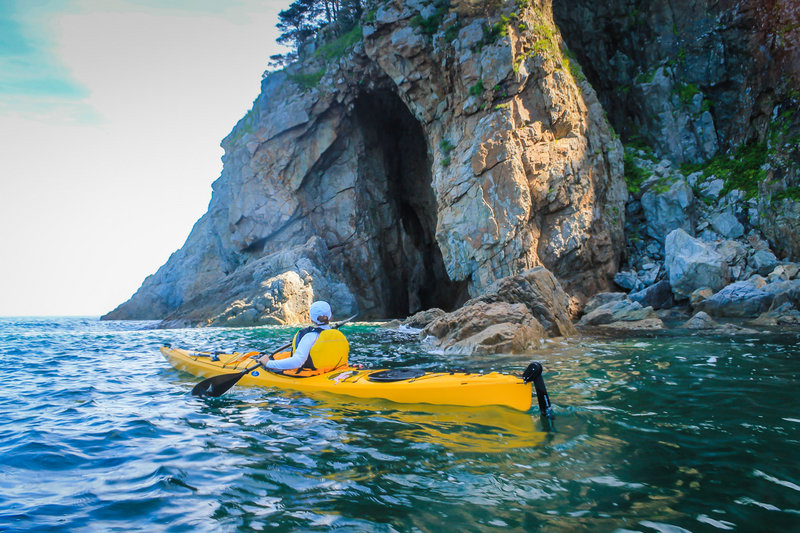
x=743 y=170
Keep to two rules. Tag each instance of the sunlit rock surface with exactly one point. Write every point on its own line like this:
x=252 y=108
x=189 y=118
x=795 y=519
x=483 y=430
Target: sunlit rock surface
x=428 y=166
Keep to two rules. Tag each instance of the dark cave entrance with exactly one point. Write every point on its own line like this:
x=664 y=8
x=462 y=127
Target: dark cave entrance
x=399 y=211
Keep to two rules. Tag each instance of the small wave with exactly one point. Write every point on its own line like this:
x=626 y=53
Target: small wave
x=787 y=484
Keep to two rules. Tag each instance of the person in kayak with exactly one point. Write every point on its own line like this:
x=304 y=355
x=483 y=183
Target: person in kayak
x=315 y=350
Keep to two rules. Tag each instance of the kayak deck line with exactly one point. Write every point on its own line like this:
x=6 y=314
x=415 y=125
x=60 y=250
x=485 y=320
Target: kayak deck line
x=467 y=389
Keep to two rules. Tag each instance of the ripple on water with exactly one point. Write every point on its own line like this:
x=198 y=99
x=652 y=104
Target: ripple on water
x=663 y=433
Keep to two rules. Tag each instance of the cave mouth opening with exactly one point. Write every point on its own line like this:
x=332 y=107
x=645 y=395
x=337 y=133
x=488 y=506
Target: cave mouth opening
x=397 y=195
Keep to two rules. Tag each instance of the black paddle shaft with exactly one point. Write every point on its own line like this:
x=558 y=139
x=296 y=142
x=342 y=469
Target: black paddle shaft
x=218 y=385
x=534 y=373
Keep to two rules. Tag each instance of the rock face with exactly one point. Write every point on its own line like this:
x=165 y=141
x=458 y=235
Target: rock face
x=688 y=77
x=275 y=289
x=423 y=166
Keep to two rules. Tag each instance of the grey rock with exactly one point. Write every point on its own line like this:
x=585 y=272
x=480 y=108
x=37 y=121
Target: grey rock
x=764 y=262
x=700 y=320
x=740 y=299
x=699 y=295
x=657 y=296
x=617 y=311
x=692 y=264
x=673 y=314
x=712 y=188
x=646 y=324
x=779 y=273
x=693 y=178
x=649 y=275
x=655 y=249
x=670 y=209
x=627 y=280
x=601 y=299
x=733 y=252
x=783 y=315
x=784 y=291
x=727 y=225
x=481 y=327
x=540 y=291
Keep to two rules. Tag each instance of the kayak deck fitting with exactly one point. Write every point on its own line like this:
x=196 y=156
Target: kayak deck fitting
x=397 y=385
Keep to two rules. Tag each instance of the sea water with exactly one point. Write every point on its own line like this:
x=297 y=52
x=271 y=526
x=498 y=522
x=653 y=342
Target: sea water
x=658 y=433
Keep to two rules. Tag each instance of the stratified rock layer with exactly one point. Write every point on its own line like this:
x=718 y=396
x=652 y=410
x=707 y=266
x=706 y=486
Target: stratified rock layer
x=428 y=166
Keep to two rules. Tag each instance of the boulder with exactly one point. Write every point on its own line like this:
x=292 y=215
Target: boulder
x=487 y=328
x=783 y=315
x=667 y=210
x=601 y=299
x=627 y=279
x=656 y=296
x=512 y=317
x=647 y=324
x=617 y=311
x=700 y=320
x=783 y=273
x=784 y=291
x=423 y=318
x=764 y=262
x=735 y=254
x=692 y=264
x=740 y=299
x=712 y=188
x=540 y=292
x=727 y=225
x=699 y=295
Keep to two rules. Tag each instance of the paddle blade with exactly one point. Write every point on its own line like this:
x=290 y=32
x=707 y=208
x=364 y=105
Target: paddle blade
x=218 y=385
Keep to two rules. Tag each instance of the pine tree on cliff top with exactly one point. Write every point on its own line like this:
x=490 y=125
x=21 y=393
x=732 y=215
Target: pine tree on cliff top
x=304 y=19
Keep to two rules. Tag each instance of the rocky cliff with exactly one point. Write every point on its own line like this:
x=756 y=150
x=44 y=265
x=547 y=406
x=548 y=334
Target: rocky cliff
x=406 y=165
x=687 y=77
x=440 y=148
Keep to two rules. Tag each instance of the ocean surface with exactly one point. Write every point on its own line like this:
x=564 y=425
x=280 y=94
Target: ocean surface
x=659 y=433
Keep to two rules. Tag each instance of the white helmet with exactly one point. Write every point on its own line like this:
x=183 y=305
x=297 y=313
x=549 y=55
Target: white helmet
x=319 y=310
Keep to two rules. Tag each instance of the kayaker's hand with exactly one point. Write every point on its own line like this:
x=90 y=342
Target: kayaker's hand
x=264 y=360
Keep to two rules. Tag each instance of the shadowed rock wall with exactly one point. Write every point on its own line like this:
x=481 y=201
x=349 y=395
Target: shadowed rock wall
x=689 y=78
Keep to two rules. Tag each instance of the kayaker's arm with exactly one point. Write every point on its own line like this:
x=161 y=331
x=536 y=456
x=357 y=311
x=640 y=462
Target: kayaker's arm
x=297 y=359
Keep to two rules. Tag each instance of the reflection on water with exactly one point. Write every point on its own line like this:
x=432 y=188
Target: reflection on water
x=658 y=433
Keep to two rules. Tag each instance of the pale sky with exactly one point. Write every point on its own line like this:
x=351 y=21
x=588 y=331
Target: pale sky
x=111 y=115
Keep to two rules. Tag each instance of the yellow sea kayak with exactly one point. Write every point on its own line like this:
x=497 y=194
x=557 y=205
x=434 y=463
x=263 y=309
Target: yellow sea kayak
x=401 y=386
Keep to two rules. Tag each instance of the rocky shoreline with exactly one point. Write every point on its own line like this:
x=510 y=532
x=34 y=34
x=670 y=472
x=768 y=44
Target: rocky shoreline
x=696 y=260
